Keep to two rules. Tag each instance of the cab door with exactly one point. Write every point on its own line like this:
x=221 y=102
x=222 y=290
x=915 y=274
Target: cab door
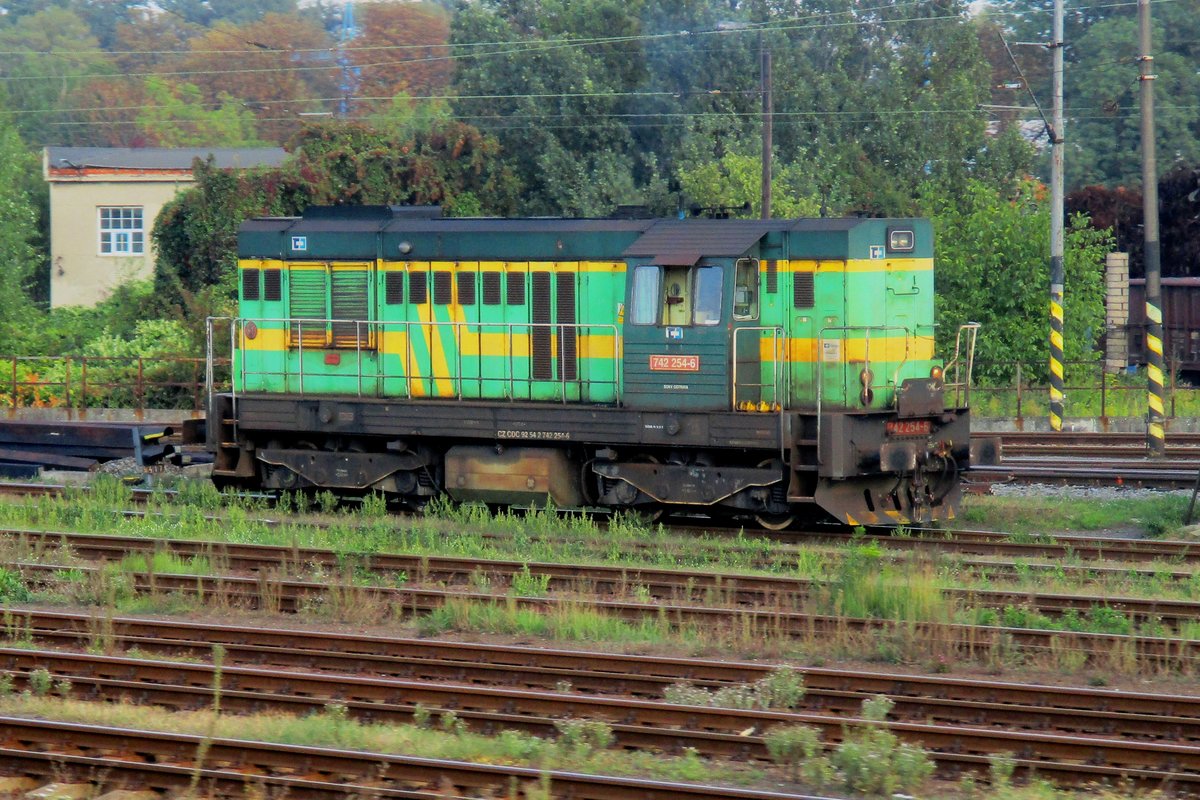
x=833 y=340
x=677 y=343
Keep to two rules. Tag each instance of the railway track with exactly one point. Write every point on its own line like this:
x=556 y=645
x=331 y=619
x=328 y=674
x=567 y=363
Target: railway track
x=276 y=594
x=688 y=586
x=1139 y=745
x=167 y=762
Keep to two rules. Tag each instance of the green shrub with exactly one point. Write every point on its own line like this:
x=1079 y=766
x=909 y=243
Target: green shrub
x=799 y=748
x=872 y=760
x=40 y=682
x=12 y=587
x=584 y=736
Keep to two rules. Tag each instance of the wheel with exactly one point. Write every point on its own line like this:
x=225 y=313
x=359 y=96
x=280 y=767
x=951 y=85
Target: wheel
x=778 y=521
x=775 y=522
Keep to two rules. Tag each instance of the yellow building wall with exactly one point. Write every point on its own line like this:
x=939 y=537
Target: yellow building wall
x=79 y=274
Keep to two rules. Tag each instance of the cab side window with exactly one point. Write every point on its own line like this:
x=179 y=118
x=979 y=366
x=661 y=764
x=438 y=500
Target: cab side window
x=745 y=290
x=645 y=295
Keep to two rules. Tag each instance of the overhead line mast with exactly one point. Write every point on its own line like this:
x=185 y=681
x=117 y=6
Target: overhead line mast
x=1057 y=279
x=1155 y=433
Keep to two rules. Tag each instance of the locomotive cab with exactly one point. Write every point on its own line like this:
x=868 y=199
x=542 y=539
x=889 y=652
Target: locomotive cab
x=677 y=343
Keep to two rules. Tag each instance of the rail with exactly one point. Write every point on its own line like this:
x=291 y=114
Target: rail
x=385 y=362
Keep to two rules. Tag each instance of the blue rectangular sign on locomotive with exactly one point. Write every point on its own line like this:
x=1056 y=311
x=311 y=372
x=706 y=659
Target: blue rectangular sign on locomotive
x=775 y=370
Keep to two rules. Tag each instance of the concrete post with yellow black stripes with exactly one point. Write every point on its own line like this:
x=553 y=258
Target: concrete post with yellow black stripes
x=1155 y=433
x=1056 y=348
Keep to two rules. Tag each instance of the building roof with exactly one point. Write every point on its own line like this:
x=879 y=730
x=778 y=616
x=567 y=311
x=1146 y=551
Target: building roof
x=160 y=158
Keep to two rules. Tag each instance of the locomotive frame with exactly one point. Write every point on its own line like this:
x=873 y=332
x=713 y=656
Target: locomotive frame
x=772 y=369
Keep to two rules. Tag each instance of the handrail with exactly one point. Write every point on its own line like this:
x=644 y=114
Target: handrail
x=779 y=349
x=972 y=329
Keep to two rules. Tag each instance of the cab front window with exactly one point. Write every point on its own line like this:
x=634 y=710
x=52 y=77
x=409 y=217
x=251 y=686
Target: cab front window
x=708 y=296
x=676 y=296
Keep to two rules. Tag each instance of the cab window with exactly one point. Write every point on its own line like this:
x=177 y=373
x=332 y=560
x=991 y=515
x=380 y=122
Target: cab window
x=708 y=296
x=745 y=290
x=676 y=295
x=645 y=295
x=677 y=299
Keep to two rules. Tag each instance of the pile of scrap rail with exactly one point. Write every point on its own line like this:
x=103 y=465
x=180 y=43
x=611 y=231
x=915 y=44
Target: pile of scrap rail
x=28 y=446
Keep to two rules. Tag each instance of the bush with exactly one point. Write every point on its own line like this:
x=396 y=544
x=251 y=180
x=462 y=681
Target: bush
x=799 y=747
x=873 y=761
x=584 y=736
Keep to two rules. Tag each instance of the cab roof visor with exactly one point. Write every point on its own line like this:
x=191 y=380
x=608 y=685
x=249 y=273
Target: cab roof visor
x=684 y=242
x=677 y=259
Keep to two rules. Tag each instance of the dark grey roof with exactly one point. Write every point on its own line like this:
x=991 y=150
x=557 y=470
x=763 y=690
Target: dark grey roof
x=162 y=157
x=684 y=241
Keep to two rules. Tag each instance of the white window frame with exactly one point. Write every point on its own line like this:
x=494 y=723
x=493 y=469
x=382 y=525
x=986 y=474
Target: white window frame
x=125 y=238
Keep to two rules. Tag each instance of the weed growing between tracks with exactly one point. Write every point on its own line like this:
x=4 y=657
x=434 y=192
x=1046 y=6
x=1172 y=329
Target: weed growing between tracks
x=576 y=750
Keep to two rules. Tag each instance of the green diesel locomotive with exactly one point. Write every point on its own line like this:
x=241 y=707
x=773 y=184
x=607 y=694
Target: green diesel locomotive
x=773 y=369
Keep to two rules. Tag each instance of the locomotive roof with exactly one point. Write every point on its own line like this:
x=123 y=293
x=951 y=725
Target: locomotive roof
x=420 y=234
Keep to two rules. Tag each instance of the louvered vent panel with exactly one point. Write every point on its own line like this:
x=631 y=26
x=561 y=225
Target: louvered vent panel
x=306 y=301
x=250 y=284
x=804 y=293
x=272 y=285
x=350 y=295
x=516 y=289
x=491 y=288
x=442 y=295
x=772 y=276
x=568 y=338
x=418 y=288
x=466 y=288
x=393 y=288
x=543 y=362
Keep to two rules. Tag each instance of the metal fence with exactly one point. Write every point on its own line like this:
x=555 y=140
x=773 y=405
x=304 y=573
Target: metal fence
x=166 y=382
x=1089 y=390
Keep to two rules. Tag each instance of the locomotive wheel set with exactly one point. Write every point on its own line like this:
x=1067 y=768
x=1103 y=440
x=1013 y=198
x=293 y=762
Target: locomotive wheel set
x=768 y=369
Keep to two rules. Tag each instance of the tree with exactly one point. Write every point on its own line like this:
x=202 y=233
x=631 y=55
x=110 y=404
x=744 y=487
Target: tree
x=18 y=235
x=334 y=163
x=52 y=53
x=238 y=12
x=278 y=67
x=175 y=117
x=401 y=49
x=1104 y=106
x=993 y=268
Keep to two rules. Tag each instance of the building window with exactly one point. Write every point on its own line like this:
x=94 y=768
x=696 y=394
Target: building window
x=122 y=232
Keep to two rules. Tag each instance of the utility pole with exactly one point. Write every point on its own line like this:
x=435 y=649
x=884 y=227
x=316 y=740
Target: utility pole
x=1155 y=434
x=1057 y=381
x=767 y=124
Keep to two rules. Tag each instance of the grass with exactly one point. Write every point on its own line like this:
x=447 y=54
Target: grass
x=580 y=746
x=334 y=728
x=860 y=580
x=1157 y=516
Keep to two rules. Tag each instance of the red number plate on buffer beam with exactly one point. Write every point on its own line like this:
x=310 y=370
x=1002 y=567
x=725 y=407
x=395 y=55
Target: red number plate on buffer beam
x=675 y=363
x=908 y=427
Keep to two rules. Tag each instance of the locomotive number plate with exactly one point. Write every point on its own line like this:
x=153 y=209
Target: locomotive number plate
x=675 y=363
x=908 y=427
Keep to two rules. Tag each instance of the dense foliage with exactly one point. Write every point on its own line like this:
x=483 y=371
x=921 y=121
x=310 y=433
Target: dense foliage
x=572 y=107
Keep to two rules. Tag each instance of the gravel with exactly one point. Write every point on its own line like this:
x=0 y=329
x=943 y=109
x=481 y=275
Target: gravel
x=1082 y=492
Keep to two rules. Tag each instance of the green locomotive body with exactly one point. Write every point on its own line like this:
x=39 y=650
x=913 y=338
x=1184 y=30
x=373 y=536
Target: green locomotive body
x=757 y=368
